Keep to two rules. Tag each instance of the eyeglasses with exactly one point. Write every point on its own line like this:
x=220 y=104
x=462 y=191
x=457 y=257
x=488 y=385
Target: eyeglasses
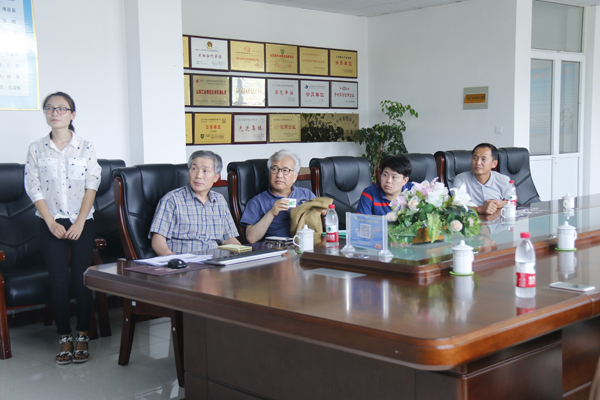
x=59 y=110
x=284 y=171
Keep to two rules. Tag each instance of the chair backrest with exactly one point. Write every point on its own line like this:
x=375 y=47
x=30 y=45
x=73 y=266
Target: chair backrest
x=423 y=167
x=245 y=179
x=514 y=162
x=19 y=227
x=221 y=187
x=341 y=178
x=104 y=215
x=451 y=163
x=137 y=192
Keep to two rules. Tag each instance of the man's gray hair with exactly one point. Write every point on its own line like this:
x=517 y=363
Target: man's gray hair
x=282 y=154
x=207 y=154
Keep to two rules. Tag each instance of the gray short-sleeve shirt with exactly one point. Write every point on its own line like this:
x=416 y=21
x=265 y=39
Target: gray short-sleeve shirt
x=496 y=188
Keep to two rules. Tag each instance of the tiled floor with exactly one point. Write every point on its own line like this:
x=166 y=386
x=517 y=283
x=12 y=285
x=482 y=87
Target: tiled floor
x=32 y=373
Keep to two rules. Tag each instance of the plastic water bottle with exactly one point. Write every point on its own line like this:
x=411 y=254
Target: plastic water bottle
x=512 y=194
x=331 y=227
x=525 y=261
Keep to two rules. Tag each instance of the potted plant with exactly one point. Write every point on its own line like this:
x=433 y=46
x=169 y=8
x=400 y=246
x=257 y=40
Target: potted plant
x=429 y=210
x=383 y=139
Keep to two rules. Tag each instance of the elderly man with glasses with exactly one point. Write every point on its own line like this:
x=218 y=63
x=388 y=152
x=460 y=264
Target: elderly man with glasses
x=267 y=214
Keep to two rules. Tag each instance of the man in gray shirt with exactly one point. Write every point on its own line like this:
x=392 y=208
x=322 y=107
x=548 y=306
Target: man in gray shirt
x=488 y=189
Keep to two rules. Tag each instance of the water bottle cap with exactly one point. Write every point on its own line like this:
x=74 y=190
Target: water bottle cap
x=332 y=206
x=525 y=235
x=511 y=182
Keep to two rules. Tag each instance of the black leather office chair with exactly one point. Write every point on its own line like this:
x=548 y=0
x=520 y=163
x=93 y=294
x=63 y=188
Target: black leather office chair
x=514 y=162
x=341 y=178
x=24 y=278
x=104 y=214
x=423 y=167
x=245 y=180
x=137 y=193
x=451 y=163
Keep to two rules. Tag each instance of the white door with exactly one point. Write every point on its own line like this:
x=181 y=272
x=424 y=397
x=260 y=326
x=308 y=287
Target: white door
x=555 y=122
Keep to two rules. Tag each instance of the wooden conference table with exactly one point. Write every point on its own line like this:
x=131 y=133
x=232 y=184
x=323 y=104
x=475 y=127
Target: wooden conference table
x=326 y=326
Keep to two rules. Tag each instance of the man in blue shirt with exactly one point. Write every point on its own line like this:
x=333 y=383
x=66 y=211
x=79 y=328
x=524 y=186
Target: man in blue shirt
x=267 y=214
x=376 y=199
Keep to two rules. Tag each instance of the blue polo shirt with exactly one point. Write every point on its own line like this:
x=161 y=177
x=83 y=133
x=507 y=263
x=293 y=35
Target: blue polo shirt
x=373 y=201
x=260 y=204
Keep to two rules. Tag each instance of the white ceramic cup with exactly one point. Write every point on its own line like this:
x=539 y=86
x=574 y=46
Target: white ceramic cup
x=463 y=258
x=566 y=261
x=567 y=235
x=568 y=202
x=305 y=239
x=509 y=211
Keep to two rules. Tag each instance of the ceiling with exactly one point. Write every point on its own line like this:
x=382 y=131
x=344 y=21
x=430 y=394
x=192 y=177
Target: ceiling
x=372 y=8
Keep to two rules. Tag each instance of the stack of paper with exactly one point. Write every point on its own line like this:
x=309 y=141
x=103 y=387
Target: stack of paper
x=163 y=260
x=235 y=248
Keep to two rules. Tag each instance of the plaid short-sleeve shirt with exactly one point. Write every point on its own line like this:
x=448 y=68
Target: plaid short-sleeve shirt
x=191 y=226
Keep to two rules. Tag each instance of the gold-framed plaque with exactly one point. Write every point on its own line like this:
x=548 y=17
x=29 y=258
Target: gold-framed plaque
x=348 y=122
x=250 y=128
x=186 y=52
x=313 y=61
x=247 y=56
x=208 y=53
x=210 y=90
x=186 y=89
x=212 y=128
x=189 y=128
x=343 y=63
x=247 y=92
x=284 y=128
x=282 y=59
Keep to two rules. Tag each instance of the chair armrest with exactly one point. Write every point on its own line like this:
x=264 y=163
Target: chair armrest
x=2 y=255
x=100 y=244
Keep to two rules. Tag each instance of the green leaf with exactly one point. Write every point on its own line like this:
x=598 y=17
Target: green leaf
x=434 y=226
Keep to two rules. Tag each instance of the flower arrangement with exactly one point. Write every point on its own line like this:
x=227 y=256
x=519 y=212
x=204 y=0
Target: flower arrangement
x=431 y=205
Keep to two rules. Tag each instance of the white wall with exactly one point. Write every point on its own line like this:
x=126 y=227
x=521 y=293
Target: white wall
x=276 y=24
x=426 y=57
x=81 y=51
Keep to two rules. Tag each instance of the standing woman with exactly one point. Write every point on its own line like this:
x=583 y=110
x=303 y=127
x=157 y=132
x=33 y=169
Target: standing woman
x=62 y=176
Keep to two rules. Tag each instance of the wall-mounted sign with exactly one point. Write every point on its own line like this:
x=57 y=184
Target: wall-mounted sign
x=212 y=128
x=250 y=128
x=343 y=63
x=475 y=98
x=283 y=93
x=247 y=92
x=247 y=56
x=209 y=53
x=314 y=94
x=18 y=57
x=344 y=94
x=210 y=91
x=313 y=61
x=282 y=59
x=284 y=128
